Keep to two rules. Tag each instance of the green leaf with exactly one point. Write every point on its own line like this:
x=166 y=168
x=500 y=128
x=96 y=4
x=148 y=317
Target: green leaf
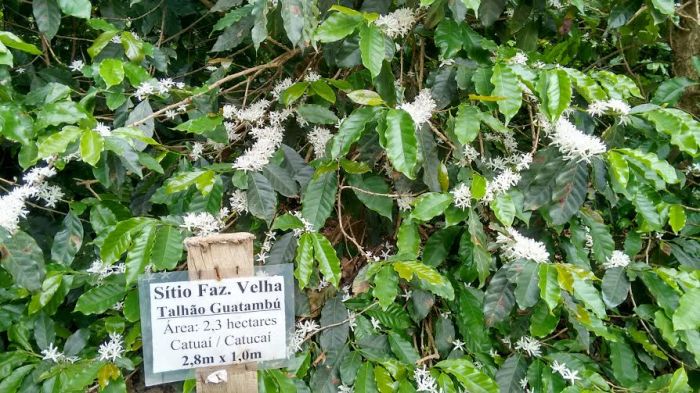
x=448 y=37
x=401 y=142
x=133 y=47
x=119 y=239
x=60 y=112
x=432 y=279
x=568 y=192
x=167 y=248
x=67 y=241
x=366 y=189
x=328 y=262
x=318 y=198
x=671 y=90
x=323 y=90
x=139 y=253
x=439 y=245
x=337 y=26
x=506 y=85
x=429 y=205
x=468 y=375
x=16 y=125
x=112 y=71
x=587 y=293
x=478 y=186
x=333 y=317
x=317 y=114
x=623 y=362
x=365 y=97
x=364 y=382
x=467 y=123
x=646 y=208
x=13 y=381
x=372 y=49
x=549 y=286
x=676 y=217
x=232 y=17
x=386 y=286
x=504 y=209
x=603 y=244
x=527 y=291
x=384 y=382
x=12 y=41
x=499 y=299
x=47 y=15
x=403 y=349
x=304 y=260
x=201 y=124
x=619 y=168
x=21 y=256
x=408 y=240
x=91 y=146
x=678 y=125
x=101 y=298
x=679 y=382
x=554 y=88
x=615 y=286
x=350 y=131
x=77 y=8
x=293 y=93
x=281 y=179
x=666 y=7
x=686 y=316
x=49 y=287
x=262 y=199
x=513 y=370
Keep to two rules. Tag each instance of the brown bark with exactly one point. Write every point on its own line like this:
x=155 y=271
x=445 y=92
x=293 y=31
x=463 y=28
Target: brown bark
x=685 y=42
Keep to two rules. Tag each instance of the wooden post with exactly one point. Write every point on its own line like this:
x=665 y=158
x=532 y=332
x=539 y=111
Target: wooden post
x=215 y=257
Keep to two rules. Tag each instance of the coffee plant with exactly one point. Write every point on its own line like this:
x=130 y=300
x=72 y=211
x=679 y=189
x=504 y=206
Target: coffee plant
x=476 y=195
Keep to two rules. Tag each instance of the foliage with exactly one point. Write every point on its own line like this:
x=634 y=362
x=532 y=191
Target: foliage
x=476 y=195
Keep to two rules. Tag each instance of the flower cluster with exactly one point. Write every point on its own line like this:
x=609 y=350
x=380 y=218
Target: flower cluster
x=518 y=246
x=617 y=259
x=319 y=137
x=253 y=114
x=112 y=349
x=520 y=58
x=35 y=186
x=280 y=87
x=501 y=183
x=104 y=270
x=424 y=381
x=421 y=109
x=398 y=23
x=566 y=373
x=308 y=226
x=461 y=196
x=266 y=247
x=303 y=329
x=54 y=355
x=204 y=223
x=238 y=201
x=574 y=144
x=76 y=65
x=613 y=106
x=160 y=87
x=529 y=345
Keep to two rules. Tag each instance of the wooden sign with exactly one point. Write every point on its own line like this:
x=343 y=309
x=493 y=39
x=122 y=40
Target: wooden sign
x=222 y=322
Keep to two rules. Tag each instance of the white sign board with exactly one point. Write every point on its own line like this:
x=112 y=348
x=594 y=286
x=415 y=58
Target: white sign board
x=212 y=323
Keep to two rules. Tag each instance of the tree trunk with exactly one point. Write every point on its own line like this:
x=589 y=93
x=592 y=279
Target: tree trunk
x=685 y=42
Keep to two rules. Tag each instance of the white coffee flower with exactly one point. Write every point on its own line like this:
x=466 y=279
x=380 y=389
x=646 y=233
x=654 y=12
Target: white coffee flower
x=103 y=129
x=37 y=175
x=520 y=58
x=574 y=144
x=405 y=202
x=319 y=137
x=170 y=114
x=461 y=196
x=345 y=389
x=196 y=151
x=458 y=345
x=312 y=76
x=375 y=323
x=501 y=184
x=280 y=87
x=267 y=141
x=202 y=223
x=613 y=106
x=529 y=345
x=50 y=194
x=518 y=246
x=117 y=39
x=397 y=23
x=239 y=201
x=424 y=381
x=76 y=65
x=422 y=107
x=52 y=354
x=144 y=90
x=617 y=259
x=254 y=113
x=112 y=349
